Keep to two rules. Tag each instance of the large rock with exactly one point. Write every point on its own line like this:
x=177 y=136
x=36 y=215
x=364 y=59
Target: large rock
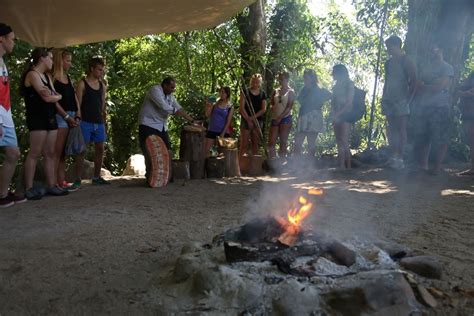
x=427 y=266
x=135 y=166
x=295 y=298
x=374 y=292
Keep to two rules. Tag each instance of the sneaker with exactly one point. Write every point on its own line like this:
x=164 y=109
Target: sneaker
x=68 y=186
x=17 y=199
x=33 y=194
x=56 y=191
x=6 y=202
x=77 y=183
x=99 y=180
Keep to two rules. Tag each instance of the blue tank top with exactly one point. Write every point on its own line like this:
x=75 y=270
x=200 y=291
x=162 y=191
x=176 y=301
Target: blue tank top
x=218 y=119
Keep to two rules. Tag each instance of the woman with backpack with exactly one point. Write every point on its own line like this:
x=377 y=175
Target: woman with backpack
x=310 y=118
x=220 y=118
x=342 y=113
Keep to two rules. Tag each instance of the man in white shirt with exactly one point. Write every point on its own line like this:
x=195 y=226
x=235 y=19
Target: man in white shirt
x=8 y=139
x=158 y=105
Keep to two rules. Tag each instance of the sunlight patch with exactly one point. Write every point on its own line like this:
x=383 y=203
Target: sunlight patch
x=449 y=192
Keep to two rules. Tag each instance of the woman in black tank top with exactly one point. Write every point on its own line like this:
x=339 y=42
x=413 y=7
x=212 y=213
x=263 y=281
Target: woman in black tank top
x=40 y=99
x=68 y=114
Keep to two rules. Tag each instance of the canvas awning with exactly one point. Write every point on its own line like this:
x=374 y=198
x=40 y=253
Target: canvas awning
x=59 y=23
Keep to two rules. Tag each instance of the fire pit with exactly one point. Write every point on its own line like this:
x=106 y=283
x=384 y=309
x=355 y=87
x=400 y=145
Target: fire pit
x=275 y=265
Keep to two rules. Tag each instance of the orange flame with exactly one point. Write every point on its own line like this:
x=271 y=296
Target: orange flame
x=296 y=217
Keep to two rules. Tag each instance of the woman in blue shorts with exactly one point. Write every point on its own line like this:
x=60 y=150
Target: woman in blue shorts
x=281 y=103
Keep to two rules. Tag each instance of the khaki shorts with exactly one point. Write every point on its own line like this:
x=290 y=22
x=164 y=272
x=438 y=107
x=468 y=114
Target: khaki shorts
x=432 y=125
x=395 y=108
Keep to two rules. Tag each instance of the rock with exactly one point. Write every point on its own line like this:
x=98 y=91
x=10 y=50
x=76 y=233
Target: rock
x=135 y=166
x=341 y=254
x=425 y=296
x=426 y=266
x=186 y=266
x=374 y=292
x=294 y=298
x=191 y=247
x=394 y=250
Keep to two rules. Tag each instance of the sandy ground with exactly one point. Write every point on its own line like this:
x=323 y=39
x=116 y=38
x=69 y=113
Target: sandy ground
x=98 y=250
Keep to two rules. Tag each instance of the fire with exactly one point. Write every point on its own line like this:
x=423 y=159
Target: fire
x=296 y=216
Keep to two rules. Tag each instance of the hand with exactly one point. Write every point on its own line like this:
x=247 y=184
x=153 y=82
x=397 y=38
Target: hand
x=71 y=122
x=78 y=120
x=250 y=123
x=222 y=134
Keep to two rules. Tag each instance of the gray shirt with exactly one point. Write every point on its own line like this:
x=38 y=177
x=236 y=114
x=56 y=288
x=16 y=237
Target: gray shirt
x=396 y=88
x=156 y=108
x=429 y=76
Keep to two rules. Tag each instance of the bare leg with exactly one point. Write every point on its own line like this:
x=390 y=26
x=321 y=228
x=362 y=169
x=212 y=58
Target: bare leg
x=37 y=140
x=339 y=142
x=284 y=132
x=12 y=154
x=60 y=163
x=98 y=159
x=50 y=157
x=208 y=142
x=298 y=146
x=255 y=140
x=345 y=133
x=311 y=137
x=469 y=128
x=440 y=153
x=423 y=150
x=244 y=141
x=272 y=141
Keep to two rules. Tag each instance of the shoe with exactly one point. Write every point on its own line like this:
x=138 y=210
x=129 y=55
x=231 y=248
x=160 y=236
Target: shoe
x=70 y=187
x=33 y=194
x=6 y=202
x=77 y=183
x=100 y=181
x=56 y=191
x=17 y=199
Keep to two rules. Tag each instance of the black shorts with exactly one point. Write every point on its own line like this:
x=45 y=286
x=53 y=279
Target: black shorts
x=145 y=131
x=41 y=122
x=245 y=125
x=213 y=135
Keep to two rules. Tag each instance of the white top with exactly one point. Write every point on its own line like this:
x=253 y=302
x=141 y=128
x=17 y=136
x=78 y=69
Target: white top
x=5 y=115
x=156 y=108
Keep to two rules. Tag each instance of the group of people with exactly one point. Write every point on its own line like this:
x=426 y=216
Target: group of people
x=53 y=106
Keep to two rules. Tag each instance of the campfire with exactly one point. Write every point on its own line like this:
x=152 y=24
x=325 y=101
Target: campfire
x=279 y=265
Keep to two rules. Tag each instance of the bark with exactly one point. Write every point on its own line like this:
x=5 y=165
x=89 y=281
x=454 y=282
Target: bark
x=252 y=27
x=447 y=22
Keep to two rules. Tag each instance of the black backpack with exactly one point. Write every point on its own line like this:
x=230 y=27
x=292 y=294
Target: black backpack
x=358 y=104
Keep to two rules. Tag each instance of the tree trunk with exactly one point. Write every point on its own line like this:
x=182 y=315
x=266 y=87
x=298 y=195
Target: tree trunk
x=252 y=27
x=446 y=22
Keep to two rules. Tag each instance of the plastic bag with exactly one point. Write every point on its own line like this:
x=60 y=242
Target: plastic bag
x=75 y=144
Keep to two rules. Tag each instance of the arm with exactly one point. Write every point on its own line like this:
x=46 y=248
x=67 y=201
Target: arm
x=242 y=109
x=208 y=108
x=79 y=94
x=467 y=93
x=263 y=110
x=48 y=95
x=228 y=121
x=181 y=112
x=410 y=72
x=157 y=96
x=104 y=108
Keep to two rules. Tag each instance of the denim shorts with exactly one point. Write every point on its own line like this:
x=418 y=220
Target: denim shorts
x=284 y=121
x=93 y=132
x=61 y=122
x=8 y=139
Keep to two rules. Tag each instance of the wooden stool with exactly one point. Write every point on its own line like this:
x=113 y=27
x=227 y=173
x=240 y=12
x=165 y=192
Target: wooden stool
x=231 y=158
x=244 y=163
x=215 y=167
x=181 y=170
x=191 y=150
x=256 y=165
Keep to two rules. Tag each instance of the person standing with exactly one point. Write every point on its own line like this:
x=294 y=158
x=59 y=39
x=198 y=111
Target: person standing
x=8 y=140
x=281 y=104
x=91 y=93
x=220 y=119
x=158 y=105
x=341 y=112
x=399 y=87
x=433 y=111
x=68 y=114
x=41 y=105
x=253 y=101
x=310 y=118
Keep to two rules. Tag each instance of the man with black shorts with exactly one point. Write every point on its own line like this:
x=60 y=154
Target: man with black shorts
x=158 y=105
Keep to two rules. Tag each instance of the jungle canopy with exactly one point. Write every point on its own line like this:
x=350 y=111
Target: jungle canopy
x=59 y=23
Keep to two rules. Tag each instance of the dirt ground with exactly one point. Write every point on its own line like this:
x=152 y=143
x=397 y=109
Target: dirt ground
x=98 y=250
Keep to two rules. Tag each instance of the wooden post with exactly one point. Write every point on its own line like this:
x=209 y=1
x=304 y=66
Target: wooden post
x=215 y=167
x=256 y=165
x=231 y=158
x=191 y=150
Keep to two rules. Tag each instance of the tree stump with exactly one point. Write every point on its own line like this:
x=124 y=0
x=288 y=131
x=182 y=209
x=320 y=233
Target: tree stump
x=244 y=163
x=215 y=167
x=181 y=170
x=231 y=159
x=190 y=150
x=256 y=165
